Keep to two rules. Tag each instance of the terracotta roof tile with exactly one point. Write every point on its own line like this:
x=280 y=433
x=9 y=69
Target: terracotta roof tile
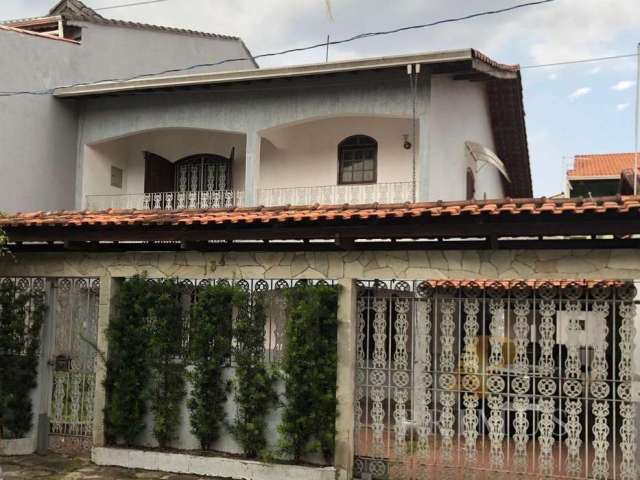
x=331 y=213
x=604 y=164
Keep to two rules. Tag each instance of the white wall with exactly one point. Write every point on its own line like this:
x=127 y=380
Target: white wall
x=173 y=144
x=307 y=154
x=38 y=134
x=460 y=112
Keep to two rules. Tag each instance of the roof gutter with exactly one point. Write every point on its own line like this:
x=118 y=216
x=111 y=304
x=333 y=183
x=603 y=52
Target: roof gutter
x=444 y=57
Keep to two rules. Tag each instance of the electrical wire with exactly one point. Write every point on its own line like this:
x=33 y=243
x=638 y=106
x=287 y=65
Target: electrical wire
x=124 y=5
x=584 y=60
x=289 y=50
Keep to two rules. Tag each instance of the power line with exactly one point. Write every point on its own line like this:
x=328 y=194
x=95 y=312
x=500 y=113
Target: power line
x=291 y=50
x=134 y=4
x=584 y=60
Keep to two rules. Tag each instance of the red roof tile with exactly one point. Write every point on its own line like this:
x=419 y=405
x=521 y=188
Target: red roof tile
x=316 y=213
x=604 y=164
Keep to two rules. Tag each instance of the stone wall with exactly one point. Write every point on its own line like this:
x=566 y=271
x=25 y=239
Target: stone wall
x=508 y=264
x=343 y=267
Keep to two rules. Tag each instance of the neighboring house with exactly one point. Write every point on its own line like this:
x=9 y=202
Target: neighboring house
x=597 y=175
x=73 y=44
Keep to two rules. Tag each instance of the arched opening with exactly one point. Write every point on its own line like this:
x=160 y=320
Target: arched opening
x=204 y=172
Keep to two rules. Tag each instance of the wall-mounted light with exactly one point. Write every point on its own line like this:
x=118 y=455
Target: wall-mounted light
x=407 y=144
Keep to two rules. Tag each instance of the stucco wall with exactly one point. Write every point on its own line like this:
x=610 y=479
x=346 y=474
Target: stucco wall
x=39 y=133
x=173 y=144
x=307 y=154
x=459 y=113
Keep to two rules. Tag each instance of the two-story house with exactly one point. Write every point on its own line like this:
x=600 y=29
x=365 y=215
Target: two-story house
x=479 y=331
x=339 y=132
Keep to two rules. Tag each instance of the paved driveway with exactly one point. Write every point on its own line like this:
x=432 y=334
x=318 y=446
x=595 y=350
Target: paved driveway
x=59 y=467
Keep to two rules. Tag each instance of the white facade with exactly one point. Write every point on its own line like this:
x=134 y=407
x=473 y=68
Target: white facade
x=293 y=137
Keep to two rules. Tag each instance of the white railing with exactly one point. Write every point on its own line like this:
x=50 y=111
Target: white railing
x=398 y=192
x=167 y=200
x=337 y=194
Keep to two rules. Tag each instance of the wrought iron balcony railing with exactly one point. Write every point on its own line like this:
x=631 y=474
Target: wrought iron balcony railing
x=167 y=200
x=328 y=195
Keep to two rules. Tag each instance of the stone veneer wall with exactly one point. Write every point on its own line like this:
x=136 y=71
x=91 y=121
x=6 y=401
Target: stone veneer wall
x=507 y=264
x=343 y=267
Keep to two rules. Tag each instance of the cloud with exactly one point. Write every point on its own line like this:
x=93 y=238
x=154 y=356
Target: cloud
x=622 y=106
x=552 y=76
x=580 y=92
x=595 y=70
x=623 y=85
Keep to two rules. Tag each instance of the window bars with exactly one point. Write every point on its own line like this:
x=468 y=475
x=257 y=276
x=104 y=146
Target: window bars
x=471 y=379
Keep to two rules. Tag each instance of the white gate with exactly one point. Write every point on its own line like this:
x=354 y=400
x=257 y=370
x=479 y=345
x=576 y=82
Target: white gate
x=474 y=380
x=74 y=355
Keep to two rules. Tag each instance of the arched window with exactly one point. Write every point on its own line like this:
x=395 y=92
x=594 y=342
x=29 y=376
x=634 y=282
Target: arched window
x=357 y=160
x=204 y=172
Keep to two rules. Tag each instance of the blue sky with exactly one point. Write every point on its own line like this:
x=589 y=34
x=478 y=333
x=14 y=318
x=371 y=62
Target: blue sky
x=570 y=110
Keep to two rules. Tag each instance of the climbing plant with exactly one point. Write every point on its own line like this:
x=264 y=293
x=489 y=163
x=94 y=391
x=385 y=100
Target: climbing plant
x=210 y=351
x=309 y=368
x=254 y=382
x=128 y=366
x=166 y=361
x=4 y=242
x=22 y=314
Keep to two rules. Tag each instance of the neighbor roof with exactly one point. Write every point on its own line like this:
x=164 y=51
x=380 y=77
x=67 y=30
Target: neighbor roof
x=46 y=36
x=469 y=219
x=605 y=165
x=75 y=10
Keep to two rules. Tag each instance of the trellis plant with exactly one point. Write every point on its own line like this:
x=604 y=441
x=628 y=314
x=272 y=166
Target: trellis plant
x=22 y=315
x=128 y=366
x=309 y=366
x=210 y=351
x=254 y=382
x=166 y=360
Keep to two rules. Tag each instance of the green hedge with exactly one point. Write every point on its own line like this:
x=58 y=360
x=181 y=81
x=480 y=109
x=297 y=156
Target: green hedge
x=210 y=351
x=254 y=382
x=22 y=315
x=166 y=360
x=309 y=367
x=128 y=366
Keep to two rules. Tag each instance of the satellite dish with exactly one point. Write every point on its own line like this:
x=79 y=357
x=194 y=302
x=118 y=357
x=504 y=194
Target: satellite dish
x=480 y=153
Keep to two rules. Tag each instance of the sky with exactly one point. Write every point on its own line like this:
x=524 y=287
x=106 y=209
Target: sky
x=573 y=109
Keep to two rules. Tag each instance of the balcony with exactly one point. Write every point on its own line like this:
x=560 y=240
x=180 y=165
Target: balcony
x=167 y=200
x=397 y=192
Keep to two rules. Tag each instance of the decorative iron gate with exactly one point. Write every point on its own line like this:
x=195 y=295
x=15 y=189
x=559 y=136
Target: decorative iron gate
x=468 y=379
x=74 y=354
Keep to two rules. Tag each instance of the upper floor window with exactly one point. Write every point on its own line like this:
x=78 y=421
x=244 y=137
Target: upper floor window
x=357 y=160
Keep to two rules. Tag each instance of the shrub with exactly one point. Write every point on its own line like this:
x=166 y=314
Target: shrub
x=22 y=315
x=254 y=390
x=210 y=351
x=166 y=360
x=309 y=367
x=128 y=366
